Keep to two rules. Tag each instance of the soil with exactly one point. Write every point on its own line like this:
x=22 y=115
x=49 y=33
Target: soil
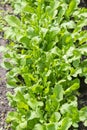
x=4 y=105
x=4 y=108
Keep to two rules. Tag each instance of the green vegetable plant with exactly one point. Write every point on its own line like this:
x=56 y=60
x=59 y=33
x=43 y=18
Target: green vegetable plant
x=43 y=61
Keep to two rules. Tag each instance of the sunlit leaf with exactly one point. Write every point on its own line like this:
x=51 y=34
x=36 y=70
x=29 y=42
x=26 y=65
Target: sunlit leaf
x=13 y=21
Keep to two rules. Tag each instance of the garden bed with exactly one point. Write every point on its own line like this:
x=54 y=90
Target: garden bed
x=4 y=108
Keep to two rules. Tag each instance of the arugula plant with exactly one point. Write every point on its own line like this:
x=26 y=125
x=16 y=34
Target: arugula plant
x=43 y=59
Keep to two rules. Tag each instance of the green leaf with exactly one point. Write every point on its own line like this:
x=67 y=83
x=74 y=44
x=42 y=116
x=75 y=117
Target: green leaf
x=18 y=127
x=22 y=105
x=81 y=23
x=69 y=25
x=13 y=116
x=25 y=41
x=69 y=108
x=55 y=51
x=23 y=125
x=61 y=13
x=58 y=91
x=83 y=49
x=7 y=65
x=55 y=117
x=43 y=31
x=32 y=123
x=27 y=79
x=66 y=124
x=39 y=127
x=77 y=71
x=82 y=37
x=85 y=123
x=11 y=83
x=83 y=114
x=33 y=103
x=69 y=53
x=50 y=126
x=76 y=63
x=71 y=7
x=73 y=87
x=28 y=9
x=19 y=97
x=13 y=21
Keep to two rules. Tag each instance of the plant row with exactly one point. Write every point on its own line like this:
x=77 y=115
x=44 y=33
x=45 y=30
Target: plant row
x=44 y=60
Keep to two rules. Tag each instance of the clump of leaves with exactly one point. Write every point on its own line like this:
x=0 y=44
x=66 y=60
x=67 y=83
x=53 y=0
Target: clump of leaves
x=44 y=61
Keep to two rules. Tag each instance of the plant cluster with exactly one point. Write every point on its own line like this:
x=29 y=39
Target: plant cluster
x=43 y=61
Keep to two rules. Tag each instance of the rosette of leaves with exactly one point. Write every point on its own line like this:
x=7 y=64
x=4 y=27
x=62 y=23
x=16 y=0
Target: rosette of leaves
x=43 y=59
